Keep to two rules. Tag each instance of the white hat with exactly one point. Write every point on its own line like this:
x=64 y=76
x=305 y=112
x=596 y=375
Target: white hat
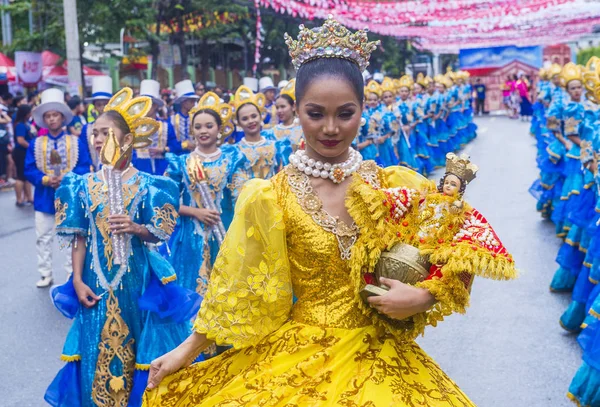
x=53 y=100
x=282 y=84
x=378 y=77
x=102 y=88
x=266 y=83
x=366 y=75
x=251 y=83
x=185 y=90
x=151 y=88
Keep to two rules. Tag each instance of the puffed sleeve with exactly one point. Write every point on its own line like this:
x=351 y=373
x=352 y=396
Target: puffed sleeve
x=174 y=170
x=554 y=115
x=69 y=203
x=284 y=150
x=397 y=176
x=160 y=208
x=250 y=292
x=573 y=116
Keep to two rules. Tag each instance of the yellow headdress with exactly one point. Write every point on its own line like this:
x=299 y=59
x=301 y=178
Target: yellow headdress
x=442 y=79
x=461 y=166
x=591 y=79
x=406 y=82
x=290 y=89
x=332 y=40
x=553 y=70
x=421 y=79
x=134 y=111
x=211 y=101
x=388 y=86
x=373 y=87
x=396 y=84
x=570 y=72
x=244 y=96
x=542 y=73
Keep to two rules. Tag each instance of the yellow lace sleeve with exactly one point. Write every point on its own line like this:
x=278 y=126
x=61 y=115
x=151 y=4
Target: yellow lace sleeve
x=250 y=292
x=397 y=176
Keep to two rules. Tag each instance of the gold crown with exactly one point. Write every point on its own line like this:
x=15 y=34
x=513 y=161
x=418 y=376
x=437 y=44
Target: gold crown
x=244 y=96
x=570 y=72
x=290 y=89
x=332 y=40
x=373 y=87
x=542 y=74
x=211 y=101
x=461 y=166
x=406 y=82
x=553 y=70
x=396 y=83
x=591 y=79
x=423 y=80
x=388 y=85
x=444 y=80
x=134 y=111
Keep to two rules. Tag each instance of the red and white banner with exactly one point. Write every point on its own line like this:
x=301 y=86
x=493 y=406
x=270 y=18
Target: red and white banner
x=29 y=67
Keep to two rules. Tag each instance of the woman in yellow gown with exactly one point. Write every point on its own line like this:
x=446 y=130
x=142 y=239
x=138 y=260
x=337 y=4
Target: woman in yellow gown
x=315 y=231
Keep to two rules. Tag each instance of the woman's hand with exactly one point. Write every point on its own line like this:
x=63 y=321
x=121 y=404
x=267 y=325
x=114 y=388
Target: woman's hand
x=121 y=224
x=207 y=216
x=85 y=295
x=167 y=364
x=402 y=300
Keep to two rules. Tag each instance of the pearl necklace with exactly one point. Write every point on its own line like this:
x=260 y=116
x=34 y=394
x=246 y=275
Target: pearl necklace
x=254 y=143
x=208 y=157
x=335 y=172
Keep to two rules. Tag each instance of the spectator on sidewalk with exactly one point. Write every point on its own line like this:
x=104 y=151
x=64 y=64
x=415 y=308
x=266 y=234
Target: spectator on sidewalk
x=24 y=134
x=480 y=90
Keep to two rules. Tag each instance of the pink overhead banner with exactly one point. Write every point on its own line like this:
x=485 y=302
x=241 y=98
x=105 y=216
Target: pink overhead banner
x=29 y=67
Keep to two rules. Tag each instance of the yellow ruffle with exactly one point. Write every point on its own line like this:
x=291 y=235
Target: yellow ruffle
x=71 y=358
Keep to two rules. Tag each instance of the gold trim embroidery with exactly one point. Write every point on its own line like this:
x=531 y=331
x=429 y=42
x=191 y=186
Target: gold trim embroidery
x=108 y=389
x=165 y=218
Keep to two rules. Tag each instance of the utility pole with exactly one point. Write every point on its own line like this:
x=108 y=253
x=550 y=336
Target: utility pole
x=72 y=40
x=6 y=25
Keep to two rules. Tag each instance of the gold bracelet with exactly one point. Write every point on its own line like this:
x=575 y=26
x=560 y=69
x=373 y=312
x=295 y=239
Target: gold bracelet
x=45 y=180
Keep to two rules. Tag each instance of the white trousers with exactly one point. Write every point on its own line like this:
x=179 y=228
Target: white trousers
x=44 y=229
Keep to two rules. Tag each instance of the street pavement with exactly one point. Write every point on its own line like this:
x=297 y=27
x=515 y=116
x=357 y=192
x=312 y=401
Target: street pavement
x=508 y=350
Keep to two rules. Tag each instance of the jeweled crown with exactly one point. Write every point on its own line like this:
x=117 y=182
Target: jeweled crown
x=211 y=101
x=244 y=95
x=406 y=82
x=554 y=70
x=461 y=166
x=332 y=40
x=388 y=85
x=570 y=72
x=423 y=80
x=591 y=79
x=290 y=89
x=373 y=87
x=134 y=111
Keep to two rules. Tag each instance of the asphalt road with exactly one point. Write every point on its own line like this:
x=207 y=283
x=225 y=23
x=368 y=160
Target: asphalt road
x=507 y=351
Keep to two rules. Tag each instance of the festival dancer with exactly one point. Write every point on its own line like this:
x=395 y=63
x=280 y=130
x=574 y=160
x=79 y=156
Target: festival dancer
x=267 y=88
x=404 y=125
x=102 y=91
x=428 y=125
x=152 y=159
x=126 y=305
x=205 y=173
x=48 y=159
x=288 y=127
x=316 y=231
x=379 y=123
x=422 y=144
x=186 y=99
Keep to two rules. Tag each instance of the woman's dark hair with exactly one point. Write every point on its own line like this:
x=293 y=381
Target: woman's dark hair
x=211 y=113
x=117 y=120
x=288 y=99
x=22 y=113
x=17 y=100
x=463 y=184
x=333 y=68
x=237 y=111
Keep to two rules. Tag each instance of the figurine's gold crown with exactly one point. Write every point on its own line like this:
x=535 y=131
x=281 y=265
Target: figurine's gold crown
x=211 y=101
x=134 y=111
x=570 y=72
x=373 y=87
x=244 y=96
x=461 y=166
x=388 y=85
x=332 y=40
x=290 y=89
x=553 y=70
x=406 y=82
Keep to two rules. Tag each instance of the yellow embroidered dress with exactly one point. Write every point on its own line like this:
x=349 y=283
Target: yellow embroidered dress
x=328 y=348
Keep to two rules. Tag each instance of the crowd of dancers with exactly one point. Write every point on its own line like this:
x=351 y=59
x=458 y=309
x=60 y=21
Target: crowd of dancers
x=137 y=274
x=565 y=125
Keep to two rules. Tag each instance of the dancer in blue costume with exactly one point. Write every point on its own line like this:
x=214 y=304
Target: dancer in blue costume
x=379 y=123
x=127 y=309
x=268 y=89
x=288 y=127
x=424 y=146
x=193 y=245
x=405 y=124
x=441 y=119
x=152 y=159
x=424 y=86
x=181 y=121
x=102 y=91
x=467 y=98
x=264 y=156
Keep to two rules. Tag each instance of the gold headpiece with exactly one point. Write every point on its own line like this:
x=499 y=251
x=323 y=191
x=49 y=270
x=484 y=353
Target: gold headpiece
x=332 y=40
x=211 y=101
x=290 y=89
x=244 y=96
x=388 y=86
x=373 y=87
x=570 y=72
x=134 y=111
x=442 y=79
x=591 y=79
x=406 y=82
x=555 y=69
x=396 y=84
x=461 y=167
x=423 y=80
x=542 y=73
